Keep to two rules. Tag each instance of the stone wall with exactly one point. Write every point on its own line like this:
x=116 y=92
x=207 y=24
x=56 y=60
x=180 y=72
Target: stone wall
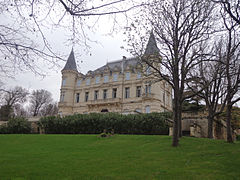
x=197 y=126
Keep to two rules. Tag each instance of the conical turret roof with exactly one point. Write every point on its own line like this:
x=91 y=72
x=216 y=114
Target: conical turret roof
x=71 y=63
x=151 y=48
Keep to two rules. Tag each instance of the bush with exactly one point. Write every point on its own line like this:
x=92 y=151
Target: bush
x=16 y=125
x=3 y=129
x=95 y=123
x=238 y=138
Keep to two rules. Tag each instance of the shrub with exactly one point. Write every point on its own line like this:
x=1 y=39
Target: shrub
x=16 y=125
x=3 y=129
x=95 y=123
x=238 y=138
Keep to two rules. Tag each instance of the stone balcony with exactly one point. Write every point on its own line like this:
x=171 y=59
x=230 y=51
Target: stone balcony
x=62 y=104
x=146 y=96
x=108 y=101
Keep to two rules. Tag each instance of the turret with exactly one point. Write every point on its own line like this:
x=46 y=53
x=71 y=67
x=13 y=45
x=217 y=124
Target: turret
x=69 y=77
x=151 y=48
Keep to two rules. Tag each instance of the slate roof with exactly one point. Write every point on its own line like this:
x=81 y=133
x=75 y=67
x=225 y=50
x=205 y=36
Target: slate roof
x=133 y=62
x=71 y=63
x=151 y=48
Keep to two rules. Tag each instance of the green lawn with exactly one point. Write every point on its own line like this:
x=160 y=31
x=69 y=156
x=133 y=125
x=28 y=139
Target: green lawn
x=118 y=157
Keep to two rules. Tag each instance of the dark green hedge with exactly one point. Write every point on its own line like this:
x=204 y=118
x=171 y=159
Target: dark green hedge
x=95 y=123
x=17 y=125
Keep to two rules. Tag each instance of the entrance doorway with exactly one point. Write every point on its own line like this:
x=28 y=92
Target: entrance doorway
x=104 y=110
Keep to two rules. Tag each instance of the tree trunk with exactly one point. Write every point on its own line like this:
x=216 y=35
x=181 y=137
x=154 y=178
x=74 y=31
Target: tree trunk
x=175 y=119
x=210 y=126
x=229 y=129
x=175 y=128
x=180 y=120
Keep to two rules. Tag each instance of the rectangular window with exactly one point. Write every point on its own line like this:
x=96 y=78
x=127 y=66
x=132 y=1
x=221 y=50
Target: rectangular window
x=95 y=95
x=86 y=96
x=148 y=89
x=114 y=93
x=105 y=94
x=77 y=97
x=64 y=82
x=115 y=77
x=105 y=79
x=139 y=75
x=127 y=76
x=62 y=96
x=79 y=83
x=127 y=92
x=138 y=91
x=88 y=82
x=97 y=80
x=167 y=99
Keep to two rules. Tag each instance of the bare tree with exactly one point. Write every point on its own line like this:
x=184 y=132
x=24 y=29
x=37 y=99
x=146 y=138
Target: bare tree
x=39 y=99
x=211 y=79
x=232 y=7
x=12 y=97
x=49 y=109
x=181 y=28
x=24 y=25
x=231 y=54
x=20 y=111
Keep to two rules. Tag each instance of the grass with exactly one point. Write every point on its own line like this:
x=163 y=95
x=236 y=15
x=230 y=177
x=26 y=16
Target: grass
x=120 y=157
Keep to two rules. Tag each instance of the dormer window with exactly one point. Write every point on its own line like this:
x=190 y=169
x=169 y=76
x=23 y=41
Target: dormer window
x=88 y=81
x=105 y=79
x=115 y=77
x=64 y=82
x=127 y=76
x=139 y=75
x=148 y=70
x=79 y=82
x=97 y=80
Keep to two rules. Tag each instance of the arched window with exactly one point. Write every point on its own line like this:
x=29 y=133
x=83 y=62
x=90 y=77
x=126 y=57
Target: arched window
x=147 y=109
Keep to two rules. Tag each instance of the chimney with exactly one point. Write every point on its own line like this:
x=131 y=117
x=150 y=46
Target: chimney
x=123 y=60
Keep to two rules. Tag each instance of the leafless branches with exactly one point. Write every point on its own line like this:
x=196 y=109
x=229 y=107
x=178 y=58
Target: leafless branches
x=232 y=7
x=39 y=99
x=25 y=25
